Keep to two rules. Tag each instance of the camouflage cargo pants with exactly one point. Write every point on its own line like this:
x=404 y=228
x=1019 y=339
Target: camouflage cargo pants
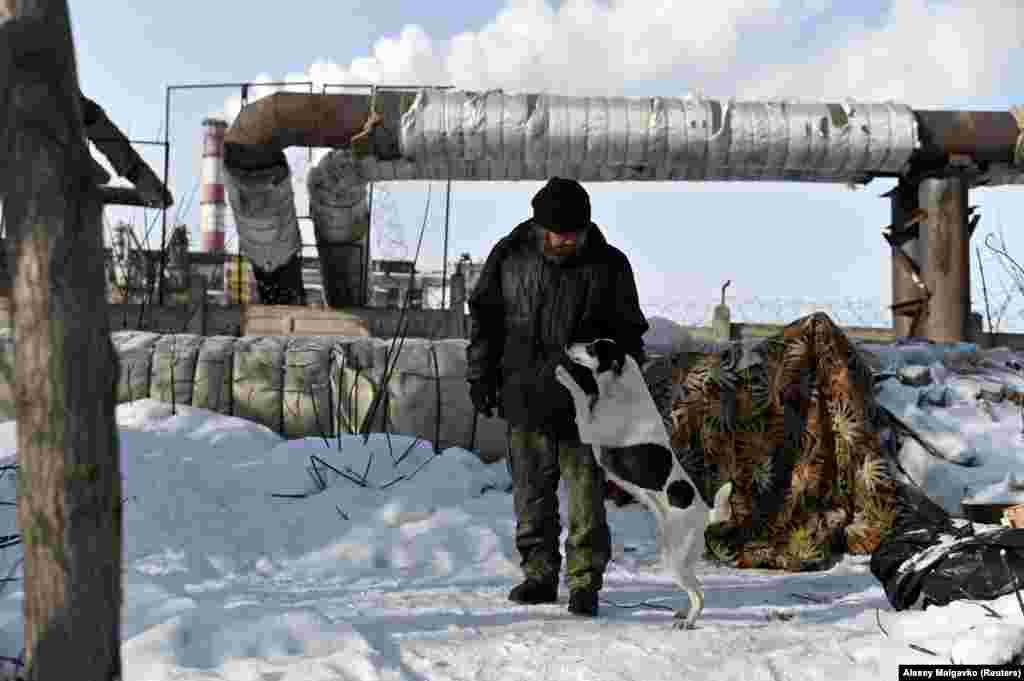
x=536 y=463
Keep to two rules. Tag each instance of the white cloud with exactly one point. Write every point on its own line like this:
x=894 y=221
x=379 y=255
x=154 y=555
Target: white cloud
x=587 y=47
x=584 y=47
x=924 y=54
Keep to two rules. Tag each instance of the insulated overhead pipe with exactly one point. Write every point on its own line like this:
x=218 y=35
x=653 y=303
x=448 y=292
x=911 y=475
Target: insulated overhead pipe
x=291 y=119
x=432 y=133
x=259 y=188
x=984 y=136
x=736 y=140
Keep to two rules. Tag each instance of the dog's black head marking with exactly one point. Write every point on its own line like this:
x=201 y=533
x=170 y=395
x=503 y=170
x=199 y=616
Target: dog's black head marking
x=680 y=494
x=609 y=355
x=584 y=378
x=647 y=466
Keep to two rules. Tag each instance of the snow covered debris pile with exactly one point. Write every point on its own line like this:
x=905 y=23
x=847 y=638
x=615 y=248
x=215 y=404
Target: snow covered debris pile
x=967 y=421
x=915 y=375
x=1009 y=490
x=248 y=556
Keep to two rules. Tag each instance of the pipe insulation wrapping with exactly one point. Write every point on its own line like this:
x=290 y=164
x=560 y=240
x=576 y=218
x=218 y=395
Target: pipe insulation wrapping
x=491 y=135
x=263 y=203
x=340 y=210
x=338 y=198
x=497 y=136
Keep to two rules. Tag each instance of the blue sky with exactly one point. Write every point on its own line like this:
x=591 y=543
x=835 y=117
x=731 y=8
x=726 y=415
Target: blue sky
x=772 y=240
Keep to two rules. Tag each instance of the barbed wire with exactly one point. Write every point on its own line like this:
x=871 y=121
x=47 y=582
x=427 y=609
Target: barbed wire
x=866 y=312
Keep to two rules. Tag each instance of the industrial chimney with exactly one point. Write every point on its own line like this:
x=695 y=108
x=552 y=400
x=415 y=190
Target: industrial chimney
x=211 y=202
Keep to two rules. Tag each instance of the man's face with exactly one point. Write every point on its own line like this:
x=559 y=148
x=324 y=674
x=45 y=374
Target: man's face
x=563 y=244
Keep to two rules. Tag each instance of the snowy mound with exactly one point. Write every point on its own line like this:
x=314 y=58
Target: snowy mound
x=250 y=557
x=1009 y=490
x=964 y=403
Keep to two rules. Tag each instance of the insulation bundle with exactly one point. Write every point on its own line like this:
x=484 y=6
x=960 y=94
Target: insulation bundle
x=302 y=386
x=498 y=136
x=340 y=209
x=263 y=203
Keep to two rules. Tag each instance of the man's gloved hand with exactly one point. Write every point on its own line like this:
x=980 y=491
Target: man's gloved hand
x=484 y=396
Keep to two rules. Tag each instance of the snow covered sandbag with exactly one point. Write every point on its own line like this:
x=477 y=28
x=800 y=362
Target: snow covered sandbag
x=214 y=364
x=258 y=375
x=930 y=559
x=174 y=367
x=352 y=387
x=427 y=395
x=307 y=402
x=410 y=406
x=135 y=353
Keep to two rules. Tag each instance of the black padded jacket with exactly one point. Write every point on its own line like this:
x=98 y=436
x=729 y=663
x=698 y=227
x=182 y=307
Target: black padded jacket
x=525 y=309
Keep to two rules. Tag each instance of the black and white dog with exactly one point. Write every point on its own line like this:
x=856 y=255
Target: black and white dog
x=623 y=425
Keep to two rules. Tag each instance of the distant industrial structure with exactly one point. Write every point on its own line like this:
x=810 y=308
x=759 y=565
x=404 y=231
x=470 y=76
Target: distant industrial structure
x=212 y=206
x=228 y=279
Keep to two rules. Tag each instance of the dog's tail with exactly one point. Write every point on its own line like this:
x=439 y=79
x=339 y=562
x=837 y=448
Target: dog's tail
x=722 y=510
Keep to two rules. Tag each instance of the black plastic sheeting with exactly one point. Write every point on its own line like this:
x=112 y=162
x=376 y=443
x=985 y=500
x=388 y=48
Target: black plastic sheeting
x=933 y=560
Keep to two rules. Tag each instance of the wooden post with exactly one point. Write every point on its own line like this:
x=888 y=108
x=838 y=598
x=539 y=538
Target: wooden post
x=65 y=373
x=903 y=204
x=947 y=259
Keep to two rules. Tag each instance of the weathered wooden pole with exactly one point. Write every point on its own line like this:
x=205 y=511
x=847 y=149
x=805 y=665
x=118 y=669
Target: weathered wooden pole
x=946 y=257
x=903 y=200
x=69 y=500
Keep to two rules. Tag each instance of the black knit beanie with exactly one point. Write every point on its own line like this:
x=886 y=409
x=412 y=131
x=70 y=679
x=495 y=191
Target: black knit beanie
x=562 y=206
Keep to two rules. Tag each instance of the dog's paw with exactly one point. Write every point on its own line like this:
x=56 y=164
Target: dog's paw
x=562 y=375
x=682 y=620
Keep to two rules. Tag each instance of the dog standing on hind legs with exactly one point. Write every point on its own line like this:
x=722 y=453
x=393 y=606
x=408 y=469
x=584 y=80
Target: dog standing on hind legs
x=631 y=444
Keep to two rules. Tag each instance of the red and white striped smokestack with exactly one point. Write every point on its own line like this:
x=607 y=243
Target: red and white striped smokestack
x=211 y=202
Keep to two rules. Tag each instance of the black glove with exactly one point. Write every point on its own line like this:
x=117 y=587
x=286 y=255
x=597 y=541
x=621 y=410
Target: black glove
x=484 y=397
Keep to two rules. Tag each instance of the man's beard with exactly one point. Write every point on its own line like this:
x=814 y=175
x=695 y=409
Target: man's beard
x=562 y=252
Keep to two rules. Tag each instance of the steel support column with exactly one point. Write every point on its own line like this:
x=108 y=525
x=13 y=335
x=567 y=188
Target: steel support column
x=944 y=244
x=903 y=203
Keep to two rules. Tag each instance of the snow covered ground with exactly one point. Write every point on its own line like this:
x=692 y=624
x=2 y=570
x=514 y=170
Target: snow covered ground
x=965 y=411
x=224 y=580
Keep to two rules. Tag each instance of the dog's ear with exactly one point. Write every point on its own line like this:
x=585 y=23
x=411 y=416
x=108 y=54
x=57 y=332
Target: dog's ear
x=617 y=366
x=613 y=357
x=608 y=355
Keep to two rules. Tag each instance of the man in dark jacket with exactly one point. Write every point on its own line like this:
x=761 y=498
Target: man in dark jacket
x=554 y=280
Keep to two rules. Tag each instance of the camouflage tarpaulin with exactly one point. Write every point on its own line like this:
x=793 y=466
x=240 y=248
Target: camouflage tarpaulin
x=792 y=422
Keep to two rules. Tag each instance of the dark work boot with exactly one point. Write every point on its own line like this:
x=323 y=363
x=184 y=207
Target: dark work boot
x=532 y=592
x=583 y=602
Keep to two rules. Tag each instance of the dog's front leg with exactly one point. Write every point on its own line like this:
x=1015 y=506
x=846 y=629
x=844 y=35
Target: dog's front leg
x=580 y=398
